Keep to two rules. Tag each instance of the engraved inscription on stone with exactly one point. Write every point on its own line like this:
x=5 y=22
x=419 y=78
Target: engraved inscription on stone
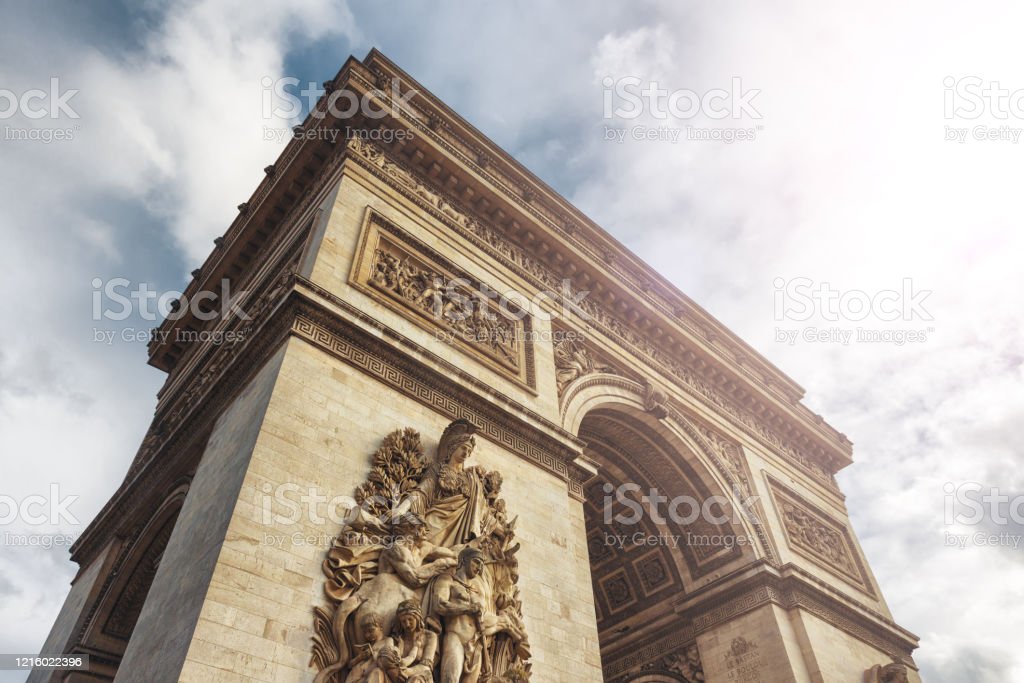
x=743 y=661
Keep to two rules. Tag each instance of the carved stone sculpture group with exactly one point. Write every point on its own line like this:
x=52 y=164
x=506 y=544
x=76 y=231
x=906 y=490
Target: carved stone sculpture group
x=422 y=578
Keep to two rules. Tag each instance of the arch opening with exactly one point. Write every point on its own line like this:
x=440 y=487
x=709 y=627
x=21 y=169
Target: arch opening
x=108 y=629
x=658 y=527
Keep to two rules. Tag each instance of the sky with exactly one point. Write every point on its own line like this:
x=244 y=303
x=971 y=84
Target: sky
x=863 y=178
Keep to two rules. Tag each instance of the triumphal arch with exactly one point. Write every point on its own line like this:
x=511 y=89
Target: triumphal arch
x=450 y=430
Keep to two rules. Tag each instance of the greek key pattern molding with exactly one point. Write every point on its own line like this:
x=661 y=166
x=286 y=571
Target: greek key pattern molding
x=388 y=366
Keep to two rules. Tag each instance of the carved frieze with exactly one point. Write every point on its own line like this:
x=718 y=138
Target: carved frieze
x=818 y=536
x=400 y=271
x=731 y=457
x=422 y=580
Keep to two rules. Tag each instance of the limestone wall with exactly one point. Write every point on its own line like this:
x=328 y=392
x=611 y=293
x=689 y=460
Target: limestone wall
x=833 y=655
x=324 y=421
x=164 y=632
x=358 y=192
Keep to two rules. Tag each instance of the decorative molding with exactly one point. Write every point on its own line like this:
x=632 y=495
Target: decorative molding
x=608 y=433
x=115 y=607
x=184 y=424
x=845 y=620
x=211 y=360
x=728 y=459
x=678 y=418
x=520 y=188
x=308 y=172
x=692 y=431
x=128 y=606
x=655 y=401
x=633 y=658
x=378 y=359
x=573 y=360
x=793 y=589
x=496 y=243
x=201 y=401
x=730 y=456
x=817 y=475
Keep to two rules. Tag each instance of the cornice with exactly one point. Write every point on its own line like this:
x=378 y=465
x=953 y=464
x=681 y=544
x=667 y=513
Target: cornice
x=403 y=180
x=802 y=434
x=741 y=420
x=285 y=194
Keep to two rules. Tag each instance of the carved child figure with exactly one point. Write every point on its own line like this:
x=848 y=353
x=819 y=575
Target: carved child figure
x=496 y=522
x=365 y=668
x=411 y=658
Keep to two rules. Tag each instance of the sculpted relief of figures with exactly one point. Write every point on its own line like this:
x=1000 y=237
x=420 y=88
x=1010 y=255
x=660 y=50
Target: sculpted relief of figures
x=817 y=535
x=572 y=361
x=810 y=533
x=570 y=367
x=447 y=302
x=422 y=578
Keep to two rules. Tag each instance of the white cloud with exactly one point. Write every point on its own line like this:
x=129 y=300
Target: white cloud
x=851 y=182
x=169 y=135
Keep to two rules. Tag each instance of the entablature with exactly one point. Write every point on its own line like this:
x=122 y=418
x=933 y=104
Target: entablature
x=469 y=182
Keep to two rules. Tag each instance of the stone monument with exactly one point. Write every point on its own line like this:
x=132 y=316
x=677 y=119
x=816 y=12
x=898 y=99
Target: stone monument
x=452 y=432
